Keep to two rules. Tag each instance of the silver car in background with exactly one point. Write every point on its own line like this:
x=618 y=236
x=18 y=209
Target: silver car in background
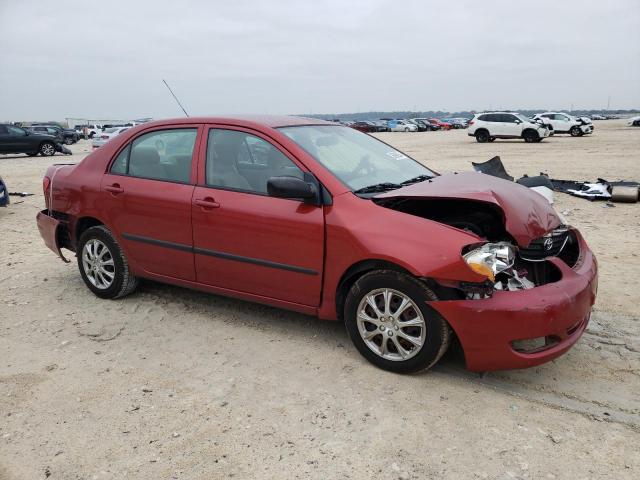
x=106 y=135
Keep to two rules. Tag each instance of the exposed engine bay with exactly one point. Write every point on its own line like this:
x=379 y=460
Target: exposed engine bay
x=506 y=266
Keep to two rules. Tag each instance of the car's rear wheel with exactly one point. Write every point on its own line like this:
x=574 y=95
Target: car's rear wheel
x=482 y=136
x=103 y=265
x=47 y=149
x=530 y=136
x=575 y=131
x=390 y=324
x=68 y=141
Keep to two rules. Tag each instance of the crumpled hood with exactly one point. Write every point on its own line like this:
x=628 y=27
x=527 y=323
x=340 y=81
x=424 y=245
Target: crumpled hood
x=527 y=214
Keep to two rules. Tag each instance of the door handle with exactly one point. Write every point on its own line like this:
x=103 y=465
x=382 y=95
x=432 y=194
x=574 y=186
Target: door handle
x=115 y=188
x=207 y=202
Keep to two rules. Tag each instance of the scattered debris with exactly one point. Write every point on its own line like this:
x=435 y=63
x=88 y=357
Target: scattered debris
x=20 y=194
x=619 y=191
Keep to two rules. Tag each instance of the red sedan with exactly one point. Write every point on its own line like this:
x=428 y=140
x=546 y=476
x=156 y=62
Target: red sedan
x=322 y=219
x=441 y=124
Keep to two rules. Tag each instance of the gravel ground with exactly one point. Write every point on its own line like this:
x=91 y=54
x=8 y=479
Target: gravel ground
x=172 y=383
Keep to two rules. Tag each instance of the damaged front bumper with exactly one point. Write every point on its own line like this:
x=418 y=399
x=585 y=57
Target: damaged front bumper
x=519 y=329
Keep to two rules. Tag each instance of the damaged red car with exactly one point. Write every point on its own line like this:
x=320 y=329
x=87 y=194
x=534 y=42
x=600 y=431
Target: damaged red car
x=325 y=220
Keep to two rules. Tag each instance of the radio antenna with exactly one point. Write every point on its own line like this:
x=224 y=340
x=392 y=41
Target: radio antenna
x=174 y=96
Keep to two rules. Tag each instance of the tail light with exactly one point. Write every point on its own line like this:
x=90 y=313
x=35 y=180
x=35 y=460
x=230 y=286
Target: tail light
x=46 y=184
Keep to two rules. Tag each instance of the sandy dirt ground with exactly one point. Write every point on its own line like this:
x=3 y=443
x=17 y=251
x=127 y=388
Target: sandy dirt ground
x=175 y=384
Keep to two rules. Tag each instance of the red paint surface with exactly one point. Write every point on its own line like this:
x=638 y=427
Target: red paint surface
x=329 y=240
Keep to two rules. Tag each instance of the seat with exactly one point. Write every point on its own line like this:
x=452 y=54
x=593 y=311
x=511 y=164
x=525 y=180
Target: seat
x=145 y=162
x=179 y=168
x=225 y=153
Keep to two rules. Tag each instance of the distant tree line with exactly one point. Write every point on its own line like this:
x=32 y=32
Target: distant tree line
x=462 y=114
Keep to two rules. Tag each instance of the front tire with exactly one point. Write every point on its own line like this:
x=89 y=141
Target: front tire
x=390 y=324
x=103 y=265
x=406 y=130
x=47 y=149
x=575 y=132
x=530 y=136
x=68 y=141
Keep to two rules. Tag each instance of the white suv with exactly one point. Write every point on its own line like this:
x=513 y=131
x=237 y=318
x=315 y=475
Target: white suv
x=565 y=123
x=488 y=126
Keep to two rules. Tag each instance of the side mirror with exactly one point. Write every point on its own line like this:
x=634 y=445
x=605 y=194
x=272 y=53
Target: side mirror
x=292 y=187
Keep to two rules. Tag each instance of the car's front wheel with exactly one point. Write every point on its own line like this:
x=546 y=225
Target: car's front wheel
x=68 y=141
x=103 y=265
x=575 y=131
x=530 y=136
x=47 y=149
x=390 y=324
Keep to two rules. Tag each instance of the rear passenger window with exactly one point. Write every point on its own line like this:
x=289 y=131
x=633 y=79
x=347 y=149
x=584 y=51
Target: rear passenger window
x=160 y=155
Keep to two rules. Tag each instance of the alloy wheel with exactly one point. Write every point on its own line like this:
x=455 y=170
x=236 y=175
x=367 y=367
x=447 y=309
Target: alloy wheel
x=391 y=325
x=47 y=149
x=97 y=263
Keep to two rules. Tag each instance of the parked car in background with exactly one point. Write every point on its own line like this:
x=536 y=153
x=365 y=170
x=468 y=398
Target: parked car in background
x=68 y=135
x=430 y=126
x=53 y=132
x=442 y=124
x=92 y=130
x=327 y=221
x=19 y=140
x=381 y=125
x=634 y=122
x=107 y=135
x=598 y=117
x=366 y=127
x=402 y=126
x=565 y=123
x=458 y=122
x=486 y=127
x=421 y=126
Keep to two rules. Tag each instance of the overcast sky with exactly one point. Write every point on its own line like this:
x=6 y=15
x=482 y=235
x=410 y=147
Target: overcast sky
x=106 y=59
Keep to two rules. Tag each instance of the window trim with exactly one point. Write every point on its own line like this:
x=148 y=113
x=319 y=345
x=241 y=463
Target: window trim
x=248 y=131
x=129 y=144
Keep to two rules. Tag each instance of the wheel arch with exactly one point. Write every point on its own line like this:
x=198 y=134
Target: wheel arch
x=529 y=129
x=357 y=270
x=83 y=224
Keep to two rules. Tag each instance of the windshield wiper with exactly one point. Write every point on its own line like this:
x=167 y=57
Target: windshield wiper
x=378 y=187
x=419 y=178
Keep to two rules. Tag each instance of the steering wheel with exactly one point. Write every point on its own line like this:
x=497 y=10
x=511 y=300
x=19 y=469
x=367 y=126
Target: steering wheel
x=364 y=168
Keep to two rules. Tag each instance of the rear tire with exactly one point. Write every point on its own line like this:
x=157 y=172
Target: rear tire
x=530 y=136
x=103 y=265
x=68 y=141
x=482 y=136
x=413 y=340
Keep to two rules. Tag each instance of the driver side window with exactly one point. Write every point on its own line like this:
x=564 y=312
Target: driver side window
x=241 y=161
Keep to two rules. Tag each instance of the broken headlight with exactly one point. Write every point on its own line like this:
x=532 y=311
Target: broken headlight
x=491 y=259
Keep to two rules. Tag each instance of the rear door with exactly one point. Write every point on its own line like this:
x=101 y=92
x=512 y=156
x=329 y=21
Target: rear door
x=147 y=199
x=245 y=240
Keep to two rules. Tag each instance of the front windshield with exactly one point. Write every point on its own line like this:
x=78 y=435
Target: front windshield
x=522 y=117
x=356 y=159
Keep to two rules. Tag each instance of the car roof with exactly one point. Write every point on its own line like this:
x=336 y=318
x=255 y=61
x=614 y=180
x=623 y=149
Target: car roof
x=273 y=121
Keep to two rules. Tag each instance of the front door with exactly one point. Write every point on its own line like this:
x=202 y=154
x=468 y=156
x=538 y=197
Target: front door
x=245 y=240
x=147 y=200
